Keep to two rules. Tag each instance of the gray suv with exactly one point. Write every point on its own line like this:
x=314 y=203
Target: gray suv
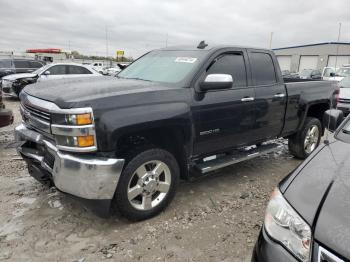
x=10 y=66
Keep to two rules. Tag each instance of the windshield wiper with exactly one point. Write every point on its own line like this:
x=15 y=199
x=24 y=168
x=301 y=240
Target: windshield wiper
x=136 y=78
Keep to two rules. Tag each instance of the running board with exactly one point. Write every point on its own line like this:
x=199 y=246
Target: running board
x=236 y=157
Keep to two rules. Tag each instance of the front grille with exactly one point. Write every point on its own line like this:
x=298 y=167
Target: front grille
x=326 y=256
x=42 y=115
x=35 y=115
x=344 y=100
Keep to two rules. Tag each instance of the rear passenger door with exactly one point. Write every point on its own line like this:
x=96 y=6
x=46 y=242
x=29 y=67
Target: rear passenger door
x=223 y=119
x=270 y=95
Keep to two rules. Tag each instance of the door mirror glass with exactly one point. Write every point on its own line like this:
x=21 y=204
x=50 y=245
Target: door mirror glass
x=332 y=74
x=343 y=132
x=332 y=119
x=216 y=82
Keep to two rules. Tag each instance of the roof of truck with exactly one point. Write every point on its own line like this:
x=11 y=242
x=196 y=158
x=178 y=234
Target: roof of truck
x=209 y=47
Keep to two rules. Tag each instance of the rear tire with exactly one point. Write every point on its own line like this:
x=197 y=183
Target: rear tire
x=303 y=143
x=147 y=184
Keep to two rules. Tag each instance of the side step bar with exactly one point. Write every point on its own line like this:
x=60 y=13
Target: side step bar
x=236 y=157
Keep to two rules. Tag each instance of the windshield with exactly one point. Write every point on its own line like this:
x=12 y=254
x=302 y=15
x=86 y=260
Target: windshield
x=345 y=83
x=41 y=69
x=343 y=71
x=306 y=72
x=163 y=66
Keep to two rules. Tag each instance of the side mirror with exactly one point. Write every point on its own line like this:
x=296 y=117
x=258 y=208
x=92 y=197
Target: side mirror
x=46 y=73
x=216 y=82
x=332 y=74
x=332 y=118
x=343 y=132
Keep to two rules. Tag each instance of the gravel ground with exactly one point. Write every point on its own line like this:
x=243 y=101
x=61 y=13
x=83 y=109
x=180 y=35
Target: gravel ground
x=216 y=218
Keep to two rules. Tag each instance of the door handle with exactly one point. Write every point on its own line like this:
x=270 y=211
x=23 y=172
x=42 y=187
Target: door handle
x=247 y=99
x=279 y=95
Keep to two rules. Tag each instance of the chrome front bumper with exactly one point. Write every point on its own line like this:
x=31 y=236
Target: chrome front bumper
x=85 y=176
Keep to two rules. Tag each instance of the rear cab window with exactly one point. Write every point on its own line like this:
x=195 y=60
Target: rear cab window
x=263 y=69
x=22 y=64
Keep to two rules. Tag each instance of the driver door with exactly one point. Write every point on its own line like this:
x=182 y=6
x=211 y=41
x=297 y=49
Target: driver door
x=224 y=119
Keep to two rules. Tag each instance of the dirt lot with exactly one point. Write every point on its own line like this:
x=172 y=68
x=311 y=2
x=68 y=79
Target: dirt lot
x=216 y=218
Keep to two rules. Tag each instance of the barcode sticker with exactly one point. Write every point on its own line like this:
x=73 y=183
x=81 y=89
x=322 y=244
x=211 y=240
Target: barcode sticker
x=190 y=60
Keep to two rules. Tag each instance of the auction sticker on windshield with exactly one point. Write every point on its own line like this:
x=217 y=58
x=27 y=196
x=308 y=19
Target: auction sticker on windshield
x=190 y=60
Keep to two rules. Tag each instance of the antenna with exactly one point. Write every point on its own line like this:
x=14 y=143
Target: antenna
x=326 y=141
x=270 y=45
x=336 y=56
x=202 y=45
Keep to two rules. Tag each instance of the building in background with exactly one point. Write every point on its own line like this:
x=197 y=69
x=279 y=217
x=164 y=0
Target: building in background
x=313 y=56
x=50 y=54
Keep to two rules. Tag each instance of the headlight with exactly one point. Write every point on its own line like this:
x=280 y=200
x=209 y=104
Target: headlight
x=74 y=130
x=284 y=225
x=72 y=119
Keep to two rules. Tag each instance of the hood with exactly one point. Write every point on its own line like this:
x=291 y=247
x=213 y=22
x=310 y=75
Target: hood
x=19 y=76
x=333 y=223
x=325 y=177
x=74 y=92
x=344 y=93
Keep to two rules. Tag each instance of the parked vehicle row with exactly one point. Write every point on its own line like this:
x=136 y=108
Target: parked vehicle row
x=13 y=84
x=173 y=113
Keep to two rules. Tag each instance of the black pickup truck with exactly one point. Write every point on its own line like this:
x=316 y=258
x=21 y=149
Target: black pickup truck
x=173 y=113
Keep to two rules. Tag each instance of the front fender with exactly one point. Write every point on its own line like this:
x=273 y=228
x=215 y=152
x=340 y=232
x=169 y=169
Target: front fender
x=117 y=122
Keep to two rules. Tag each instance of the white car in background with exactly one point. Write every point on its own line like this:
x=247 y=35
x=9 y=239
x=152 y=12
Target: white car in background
x=327 y=72
x=98 y=66
x=112 y=71
x=13 y=84
x=340 y=73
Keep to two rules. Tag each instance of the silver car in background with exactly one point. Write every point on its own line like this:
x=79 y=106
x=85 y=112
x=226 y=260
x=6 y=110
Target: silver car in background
x=13 y=84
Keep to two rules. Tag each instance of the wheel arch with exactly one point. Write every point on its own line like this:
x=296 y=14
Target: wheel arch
x=315 y=110
x=173 y=138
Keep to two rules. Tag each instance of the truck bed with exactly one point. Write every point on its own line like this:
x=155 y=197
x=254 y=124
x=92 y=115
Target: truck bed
x=301 y=92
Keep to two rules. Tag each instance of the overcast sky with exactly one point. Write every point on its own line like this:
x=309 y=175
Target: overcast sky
x=137 y=26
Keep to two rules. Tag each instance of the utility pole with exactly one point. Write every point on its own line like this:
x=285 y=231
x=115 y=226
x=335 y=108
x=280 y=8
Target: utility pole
x=106 y=42
x=270 y=45
x=336 y=57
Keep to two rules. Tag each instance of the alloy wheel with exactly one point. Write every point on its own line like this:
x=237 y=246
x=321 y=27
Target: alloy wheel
x=311 y=139
x=149 y=185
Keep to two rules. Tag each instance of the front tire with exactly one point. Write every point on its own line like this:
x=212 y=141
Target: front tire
x=303 y=143
x=147 y=185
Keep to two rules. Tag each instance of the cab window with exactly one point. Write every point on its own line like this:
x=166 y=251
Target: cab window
x=231 y=64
